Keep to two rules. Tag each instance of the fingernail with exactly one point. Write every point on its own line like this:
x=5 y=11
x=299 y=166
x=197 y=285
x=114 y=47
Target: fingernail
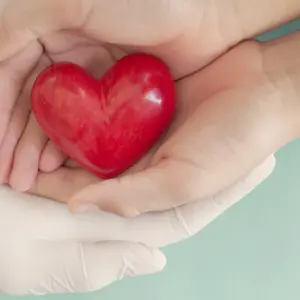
x=85 y=208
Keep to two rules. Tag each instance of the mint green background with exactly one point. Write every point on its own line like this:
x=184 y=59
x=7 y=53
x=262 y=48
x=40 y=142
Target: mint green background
x=250 y=253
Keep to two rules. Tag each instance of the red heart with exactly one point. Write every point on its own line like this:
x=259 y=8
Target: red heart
x=105 y=125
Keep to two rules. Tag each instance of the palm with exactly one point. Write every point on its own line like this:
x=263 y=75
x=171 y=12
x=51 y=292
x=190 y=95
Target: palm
x=214 y=130
x=93 y=55
x=97 y=58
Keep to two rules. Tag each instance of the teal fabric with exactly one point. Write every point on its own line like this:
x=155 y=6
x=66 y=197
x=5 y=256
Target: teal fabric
x=250 y=253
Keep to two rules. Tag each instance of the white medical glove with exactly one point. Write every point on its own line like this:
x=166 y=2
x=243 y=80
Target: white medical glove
x=44 y=249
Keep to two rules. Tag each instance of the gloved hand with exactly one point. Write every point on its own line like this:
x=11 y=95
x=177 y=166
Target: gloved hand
x=44 y=249
x=43 y=252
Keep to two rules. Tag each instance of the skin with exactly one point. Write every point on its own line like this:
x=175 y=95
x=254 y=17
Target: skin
x=231 y=98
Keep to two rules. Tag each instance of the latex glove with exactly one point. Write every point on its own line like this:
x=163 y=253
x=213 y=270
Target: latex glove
x=34 y=33
x=41 y=267
x=36 y=258
x=44 y=249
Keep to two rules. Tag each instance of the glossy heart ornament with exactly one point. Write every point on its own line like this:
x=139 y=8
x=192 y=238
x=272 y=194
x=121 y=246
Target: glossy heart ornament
x=105 y=125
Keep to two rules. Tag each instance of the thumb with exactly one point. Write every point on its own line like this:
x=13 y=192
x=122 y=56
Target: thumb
x=155 y=189
x=166 y=185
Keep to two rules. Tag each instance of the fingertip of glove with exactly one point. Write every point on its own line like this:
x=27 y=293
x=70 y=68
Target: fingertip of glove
x=140 y=260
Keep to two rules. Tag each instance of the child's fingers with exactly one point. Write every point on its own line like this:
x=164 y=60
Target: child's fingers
x=51 y=158
x=27 y=155
x=15 y=109
x=13 y=133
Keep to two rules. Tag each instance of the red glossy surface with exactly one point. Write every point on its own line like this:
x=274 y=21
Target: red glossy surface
x=105 y=125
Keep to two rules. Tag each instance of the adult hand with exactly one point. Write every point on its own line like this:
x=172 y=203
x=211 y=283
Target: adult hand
x=203 y=141
x=93 y=33
x=44 y=249
x=231 y=116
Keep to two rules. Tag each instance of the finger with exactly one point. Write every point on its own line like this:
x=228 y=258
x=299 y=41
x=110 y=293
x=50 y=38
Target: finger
x=157 y=230
x=17 y=124
x=168 y=227
x=62 y=183
x=13 y=74
x=27 y=156
x=164 y=186
x=51 y=158
x=14 y=131
x=91 y=267
x=152 y=190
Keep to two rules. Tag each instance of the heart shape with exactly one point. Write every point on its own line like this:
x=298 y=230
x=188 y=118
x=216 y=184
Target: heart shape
x=105 y=125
